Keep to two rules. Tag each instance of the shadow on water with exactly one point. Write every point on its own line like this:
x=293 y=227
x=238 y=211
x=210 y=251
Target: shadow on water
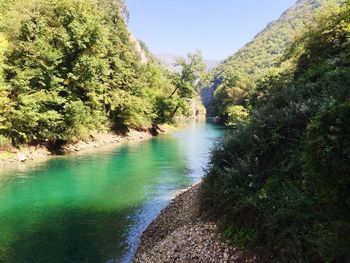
x=70 y=235
x=93 y=207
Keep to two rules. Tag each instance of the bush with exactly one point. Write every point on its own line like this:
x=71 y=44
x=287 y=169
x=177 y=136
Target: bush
x=236 y=115
x=327 y=155
x=5 y=143
x=280 y=184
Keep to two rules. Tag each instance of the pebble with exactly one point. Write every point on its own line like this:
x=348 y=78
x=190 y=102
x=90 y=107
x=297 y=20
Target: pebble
x=179 y=234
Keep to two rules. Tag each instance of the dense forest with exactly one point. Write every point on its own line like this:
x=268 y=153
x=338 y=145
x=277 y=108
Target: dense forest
x=68 y=68
x=279 y=182
x=237 y=75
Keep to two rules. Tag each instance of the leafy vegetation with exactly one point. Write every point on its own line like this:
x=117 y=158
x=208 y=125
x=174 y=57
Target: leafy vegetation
x=241 y=71
x=186 y=86
x=279 y=182
x=71 y=67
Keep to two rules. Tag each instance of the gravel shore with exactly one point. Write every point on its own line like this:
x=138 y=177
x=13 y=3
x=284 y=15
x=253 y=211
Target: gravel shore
x=27 y=153
x=179 y=234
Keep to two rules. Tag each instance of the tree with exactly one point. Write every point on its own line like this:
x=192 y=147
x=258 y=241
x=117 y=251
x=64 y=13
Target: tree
x=191 y=76
x=5 y=102
x=71 y=68
x=187 y=82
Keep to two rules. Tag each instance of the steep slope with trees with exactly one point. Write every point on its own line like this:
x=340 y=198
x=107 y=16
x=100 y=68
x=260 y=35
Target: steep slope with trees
x=236 y=76
x=71 y=67
x=278 y=183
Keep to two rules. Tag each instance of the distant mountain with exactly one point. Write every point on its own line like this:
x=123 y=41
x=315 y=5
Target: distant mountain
x=168 y=60
x=211 y=63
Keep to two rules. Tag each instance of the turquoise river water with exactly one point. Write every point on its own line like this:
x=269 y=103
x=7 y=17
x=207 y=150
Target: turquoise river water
x=93 y=206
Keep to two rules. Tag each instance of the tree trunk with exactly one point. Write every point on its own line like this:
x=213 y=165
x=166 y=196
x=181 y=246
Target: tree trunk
x=175 y=110
x=173 y=92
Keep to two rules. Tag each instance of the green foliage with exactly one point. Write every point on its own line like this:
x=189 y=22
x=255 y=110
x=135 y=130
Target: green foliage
x=192 y=75
x=129 y=110
x=224 y=97
x=327 y=155
x=236 y=115
x=230 y=101
x=327 y=152
x=186 y=84
x=55 y=63
x=5 y=103
x=261 y=55
x=279 y=184
x=68 y=68
x=5 y=143
x=268 y=47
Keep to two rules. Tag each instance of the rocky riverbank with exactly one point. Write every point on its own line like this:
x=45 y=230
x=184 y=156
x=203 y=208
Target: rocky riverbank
x=179 y=234
x=27 y=153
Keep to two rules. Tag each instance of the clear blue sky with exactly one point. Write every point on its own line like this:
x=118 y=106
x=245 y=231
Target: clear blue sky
x=217 y=28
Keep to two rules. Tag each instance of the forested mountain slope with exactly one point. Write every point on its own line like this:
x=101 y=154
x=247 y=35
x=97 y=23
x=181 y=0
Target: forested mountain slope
x=268 y=46
x=71 y=67
x=256 y=58
x=279 y=181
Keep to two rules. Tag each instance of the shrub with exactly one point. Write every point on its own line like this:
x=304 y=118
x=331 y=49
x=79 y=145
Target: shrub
x=280 y=184
x=236 y=115
x=5 y=143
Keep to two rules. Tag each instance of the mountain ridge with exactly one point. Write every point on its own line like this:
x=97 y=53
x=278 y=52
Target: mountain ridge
x=264 y=51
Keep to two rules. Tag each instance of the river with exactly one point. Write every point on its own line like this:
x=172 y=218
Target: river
x=93 y=206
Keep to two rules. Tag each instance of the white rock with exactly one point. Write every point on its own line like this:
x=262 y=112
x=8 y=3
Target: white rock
x=22 y=157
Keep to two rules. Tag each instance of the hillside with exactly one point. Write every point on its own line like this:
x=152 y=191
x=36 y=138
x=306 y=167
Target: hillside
x=261 y=54
x=266 y=49
x=278 y=183
x=71 y=68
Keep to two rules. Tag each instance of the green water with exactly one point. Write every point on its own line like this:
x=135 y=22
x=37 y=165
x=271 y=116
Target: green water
x=93 y=207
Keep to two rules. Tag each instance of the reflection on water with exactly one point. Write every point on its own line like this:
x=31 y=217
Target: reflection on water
x=93 y=207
